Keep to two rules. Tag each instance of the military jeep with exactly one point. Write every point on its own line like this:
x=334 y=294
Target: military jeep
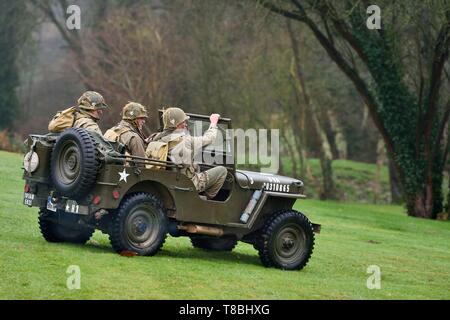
x=81 y=182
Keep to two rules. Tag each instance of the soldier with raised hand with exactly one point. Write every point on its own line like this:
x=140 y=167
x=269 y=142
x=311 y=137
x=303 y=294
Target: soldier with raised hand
x=129 y=130
x=183 y=148
x=89 y=111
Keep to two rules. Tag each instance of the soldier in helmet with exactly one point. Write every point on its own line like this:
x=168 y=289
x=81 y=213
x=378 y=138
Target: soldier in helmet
x=129 y=130
x=89 y=111
x=182 y=147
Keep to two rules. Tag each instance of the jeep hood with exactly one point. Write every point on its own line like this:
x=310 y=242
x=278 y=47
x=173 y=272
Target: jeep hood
x=270 y=182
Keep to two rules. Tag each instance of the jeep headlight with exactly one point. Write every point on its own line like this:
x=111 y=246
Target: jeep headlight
x=30 y=162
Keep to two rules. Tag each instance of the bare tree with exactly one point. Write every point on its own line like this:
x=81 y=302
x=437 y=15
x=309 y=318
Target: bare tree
x=139 y=64
x=326 y=156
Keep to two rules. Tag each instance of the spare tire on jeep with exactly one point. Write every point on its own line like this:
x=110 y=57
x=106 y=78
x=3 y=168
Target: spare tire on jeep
x=74 y=163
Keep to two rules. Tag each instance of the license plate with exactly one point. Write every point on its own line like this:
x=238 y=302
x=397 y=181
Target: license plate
x=72 y=206
x=50 y=205
x=28 y=199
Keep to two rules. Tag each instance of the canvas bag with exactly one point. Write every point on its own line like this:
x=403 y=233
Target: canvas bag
x=62 y=120
x=157 y=150
x=114 y=134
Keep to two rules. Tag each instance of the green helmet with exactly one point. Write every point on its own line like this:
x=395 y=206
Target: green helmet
x=91 y=100
x=134 y=110
x=172 y=117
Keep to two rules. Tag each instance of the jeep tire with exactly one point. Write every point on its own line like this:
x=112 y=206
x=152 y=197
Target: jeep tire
x=213 y=244
x=286 y=241
x=62 y=227
x=74 y=163
x=139 y=225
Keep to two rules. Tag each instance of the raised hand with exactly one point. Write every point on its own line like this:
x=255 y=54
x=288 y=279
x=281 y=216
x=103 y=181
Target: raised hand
x=214 y=118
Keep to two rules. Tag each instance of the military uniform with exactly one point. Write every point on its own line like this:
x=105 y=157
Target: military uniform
x=184 y=148
x=128 y=135
x=84 y=120
x=85 y=115
x=127 y=132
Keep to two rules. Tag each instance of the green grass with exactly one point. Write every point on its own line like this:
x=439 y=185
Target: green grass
x=413 y=254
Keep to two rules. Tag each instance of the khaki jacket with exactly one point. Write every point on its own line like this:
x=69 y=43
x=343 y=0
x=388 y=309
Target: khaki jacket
x=187 y=148
x=83 y=120
x=129 y=135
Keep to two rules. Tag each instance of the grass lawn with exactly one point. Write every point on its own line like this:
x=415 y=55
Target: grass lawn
x=413 y=255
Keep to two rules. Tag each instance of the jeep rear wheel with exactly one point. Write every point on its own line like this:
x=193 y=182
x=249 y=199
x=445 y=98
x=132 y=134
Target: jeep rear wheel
x=139 y=225
x=213 y=244
x=62 y=227
x=74 y=163
x=286 y=241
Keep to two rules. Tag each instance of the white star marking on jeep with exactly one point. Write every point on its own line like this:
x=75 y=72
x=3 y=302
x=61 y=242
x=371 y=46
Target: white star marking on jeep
x=123 y=175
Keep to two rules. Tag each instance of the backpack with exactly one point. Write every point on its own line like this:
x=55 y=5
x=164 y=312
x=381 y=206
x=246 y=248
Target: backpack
x=114 y=133
x=159 y=150
x=62 y=120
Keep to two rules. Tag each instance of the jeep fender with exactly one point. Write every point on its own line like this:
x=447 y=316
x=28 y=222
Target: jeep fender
x=159 y=190
x=271 y=202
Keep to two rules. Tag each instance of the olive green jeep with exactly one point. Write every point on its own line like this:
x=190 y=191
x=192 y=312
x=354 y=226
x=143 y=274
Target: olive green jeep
x=81 y=182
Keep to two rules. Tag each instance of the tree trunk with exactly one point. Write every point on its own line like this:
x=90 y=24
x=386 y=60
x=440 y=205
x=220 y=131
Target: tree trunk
x=427 y=200
x=328 y=191
x=448 y=195
x=308 y=171
x=297 y=121
x=326 y=156
x=291 y=155
x=281 y=168
x=447 y=169
x=394 y=182
x=420 y=204
x=339 y=137
x=381 y=159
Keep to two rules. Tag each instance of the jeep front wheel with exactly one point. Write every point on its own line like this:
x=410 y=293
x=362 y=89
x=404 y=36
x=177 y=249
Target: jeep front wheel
x=286 y=241
x=139 y=225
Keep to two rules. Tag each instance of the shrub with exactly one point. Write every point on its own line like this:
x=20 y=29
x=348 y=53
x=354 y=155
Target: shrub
x=12 y=142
